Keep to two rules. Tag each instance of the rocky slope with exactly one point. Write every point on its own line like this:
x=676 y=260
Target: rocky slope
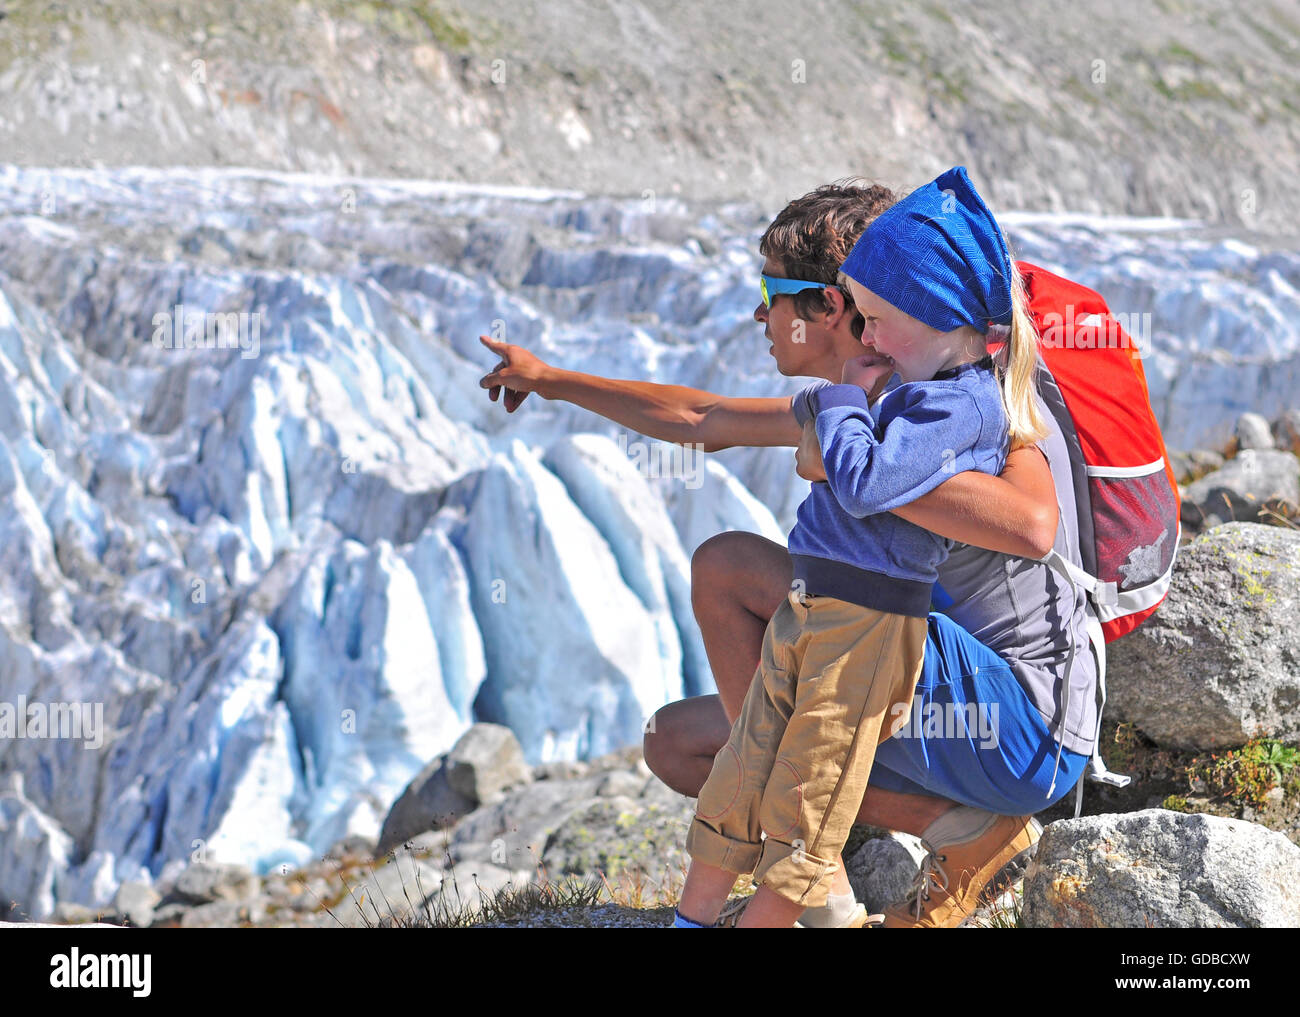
x=1181 y=107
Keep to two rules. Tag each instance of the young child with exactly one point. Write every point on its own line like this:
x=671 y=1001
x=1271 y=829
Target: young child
x=844 y=651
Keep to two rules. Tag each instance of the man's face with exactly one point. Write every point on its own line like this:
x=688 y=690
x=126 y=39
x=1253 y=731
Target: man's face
x=796 y=342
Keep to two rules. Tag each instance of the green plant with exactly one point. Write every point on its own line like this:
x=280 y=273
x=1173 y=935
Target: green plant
x=1282 y=758
x=1245 y=775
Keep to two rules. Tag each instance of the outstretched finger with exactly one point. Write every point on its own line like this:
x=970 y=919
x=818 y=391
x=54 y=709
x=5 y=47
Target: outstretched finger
x=495 y=345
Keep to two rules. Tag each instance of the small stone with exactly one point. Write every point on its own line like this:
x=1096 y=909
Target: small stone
x=70 y=913
x=1253 y=431
x=561 y=770
x=205 y=882
x=1286 y=431
x=620 y=782
x=352 y=846
x=136 y=902
x=1238 y=491
x=169 y=915
x=224 y=914
x=881 y=872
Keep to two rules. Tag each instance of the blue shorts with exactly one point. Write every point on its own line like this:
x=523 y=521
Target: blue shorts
x=973 y=736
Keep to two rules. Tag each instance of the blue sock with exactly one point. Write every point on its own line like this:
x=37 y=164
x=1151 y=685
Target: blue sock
x=680 y=922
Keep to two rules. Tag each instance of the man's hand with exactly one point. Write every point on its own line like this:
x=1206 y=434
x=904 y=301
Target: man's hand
x=519 y=373
x=808 y=456
x=869 y=372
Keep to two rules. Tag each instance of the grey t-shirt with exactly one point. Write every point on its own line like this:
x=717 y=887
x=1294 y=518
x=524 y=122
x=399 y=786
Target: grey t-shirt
x=1024 y=611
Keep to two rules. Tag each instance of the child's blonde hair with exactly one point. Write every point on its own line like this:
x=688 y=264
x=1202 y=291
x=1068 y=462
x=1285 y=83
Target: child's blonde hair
x=1025 y=424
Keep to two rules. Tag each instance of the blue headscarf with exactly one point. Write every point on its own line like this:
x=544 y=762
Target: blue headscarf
x=939 y=256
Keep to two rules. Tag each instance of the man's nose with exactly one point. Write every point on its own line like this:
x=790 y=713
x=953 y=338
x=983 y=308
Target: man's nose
x=760 y=312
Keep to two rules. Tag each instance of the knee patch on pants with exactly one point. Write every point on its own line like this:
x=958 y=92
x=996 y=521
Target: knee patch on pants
x=780 y=812
x=722 y=788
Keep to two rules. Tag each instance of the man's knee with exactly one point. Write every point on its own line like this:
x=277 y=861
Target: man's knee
x=714 y=562
x=681 y=740
x=736 y=565
x=781 y=808
x=657 y=742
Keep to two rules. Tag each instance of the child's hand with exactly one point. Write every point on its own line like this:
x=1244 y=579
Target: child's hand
x=869 y=372
x=808 y=457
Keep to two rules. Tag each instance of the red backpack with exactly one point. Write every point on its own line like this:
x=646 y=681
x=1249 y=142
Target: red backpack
x=1124 y=484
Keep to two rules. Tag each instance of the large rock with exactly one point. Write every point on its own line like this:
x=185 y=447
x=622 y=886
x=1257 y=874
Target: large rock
x=485 y=761
x=1164 y=870
x=428 y=803
x=1217 y=663
x=1238 y=490
x=883 y=870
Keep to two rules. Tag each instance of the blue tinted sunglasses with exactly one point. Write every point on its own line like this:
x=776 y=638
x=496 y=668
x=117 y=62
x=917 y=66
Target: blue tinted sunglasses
x=771 y=286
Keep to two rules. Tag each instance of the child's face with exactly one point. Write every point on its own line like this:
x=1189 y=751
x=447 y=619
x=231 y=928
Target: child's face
x=909 y=343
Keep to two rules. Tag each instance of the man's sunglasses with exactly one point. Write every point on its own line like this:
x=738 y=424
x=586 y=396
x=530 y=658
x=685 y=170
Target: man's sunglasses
x=770 y=286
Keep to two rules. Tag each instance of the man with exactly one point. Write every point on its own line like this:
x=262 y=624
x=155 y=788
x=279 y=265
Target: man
x=1008 y=624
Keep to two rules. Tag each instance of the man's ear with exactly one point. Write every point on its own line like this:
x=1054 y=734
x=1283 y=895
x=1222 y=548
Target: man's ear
x=841 y=310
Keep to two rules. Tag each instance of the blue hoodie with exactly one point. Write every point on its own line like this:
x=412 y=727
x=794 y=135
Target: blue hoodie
x=845 y=542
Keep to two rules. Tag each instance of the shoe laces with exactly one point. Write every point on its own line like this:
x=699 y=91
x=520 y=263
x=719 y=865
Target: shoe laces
x=925 y=880
x=731 y=912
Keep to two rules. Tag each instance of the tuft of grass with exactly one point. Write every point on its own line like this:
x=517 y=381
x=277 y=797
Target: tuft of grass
x=1004 y=911
x=1246 y=775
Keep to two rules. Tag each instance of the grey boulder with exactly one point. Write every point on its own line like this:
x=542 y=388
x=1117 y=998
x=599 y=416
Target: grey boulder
x=429 y=802
x=883 y=870
x=486 y=761
x=1216 y=665
x=1160 y=869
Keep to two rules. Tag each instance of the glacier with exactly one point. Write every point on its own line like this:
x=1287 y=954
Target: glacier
x=291 y=569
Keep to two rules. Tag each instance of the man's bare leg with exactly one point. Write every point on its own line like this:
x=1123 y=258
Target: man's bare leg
x=688 y=734
x=738 y=580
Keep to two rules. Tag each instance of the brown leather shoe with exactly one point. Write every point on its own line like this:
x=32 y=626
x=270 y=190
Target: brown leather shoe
x=968 y=851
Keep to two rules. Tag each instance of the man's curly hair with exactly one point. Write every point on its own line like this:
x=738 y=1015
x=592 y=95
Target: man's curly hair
x=813 y=235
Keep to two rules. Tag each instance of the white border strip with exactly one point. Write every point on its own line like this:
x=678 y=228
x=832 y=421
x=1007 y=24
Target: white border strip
x=1127 y=471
